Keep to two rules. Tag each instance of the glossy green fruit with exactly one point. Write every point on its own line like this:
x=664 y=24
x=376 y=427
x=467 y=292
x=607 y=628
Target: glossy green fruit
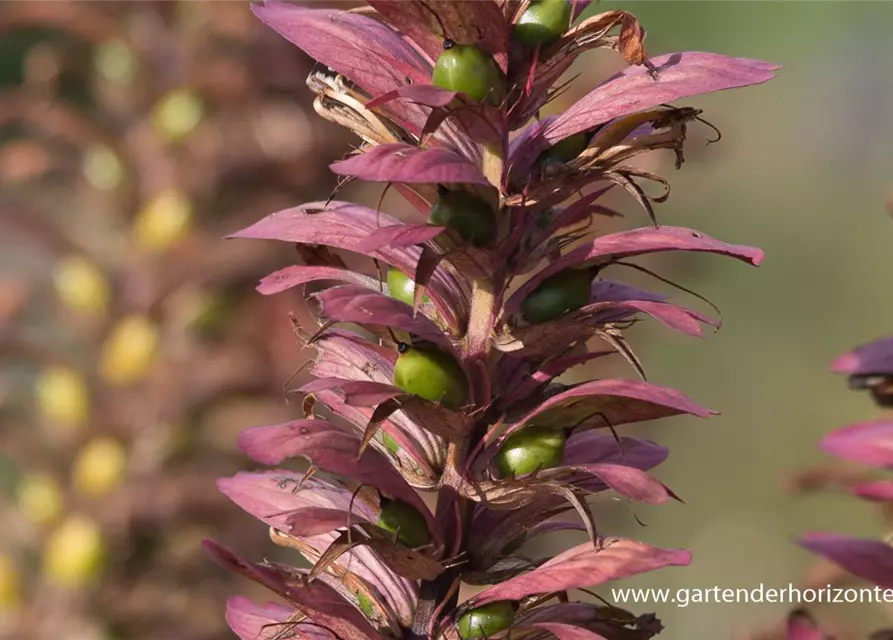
x=467 y=69
x=567 y=290
x=401 y=286
x=487 y=620
x=529 y=450
x=366 y=606
x=432 y=375
x=567 y=149
x=544 y=22
x=467 y=214
x=390 y=444
x=404 y=521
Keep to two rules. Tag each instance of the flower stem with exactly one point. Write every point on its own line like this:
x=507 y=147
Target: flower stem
x=493 y=162
x=480 y=319
x=450 y=504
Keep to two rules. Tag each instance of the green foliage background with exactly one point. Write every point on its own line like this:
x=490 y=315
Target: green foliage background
x=803 y=171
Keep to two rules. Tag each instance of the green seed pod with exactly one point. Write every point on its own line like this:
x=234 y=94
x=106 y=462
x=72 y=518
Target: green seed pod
x=487 y=620
x=404 y=521
x=567 y=149
x=390 y=444
x=467 y=69
x=467 y=214
x=432 y=375
x=401 y=286
x=566 y=291
x=528 y=450
x=544 y=22
x=366 y=606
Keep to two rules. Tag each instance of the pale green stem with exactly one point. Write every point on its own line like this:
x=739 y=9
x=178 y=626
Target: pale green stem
x=494 y=163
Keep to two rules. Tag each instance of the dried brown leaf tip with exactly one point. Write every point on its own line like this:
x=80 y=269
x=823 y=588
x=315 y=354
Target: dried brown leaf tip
x=468 y=313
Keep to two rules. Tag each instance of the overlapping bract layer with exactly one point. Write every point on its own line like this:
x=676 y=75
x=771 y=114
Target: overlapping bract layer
x=869 y=366
x=871 y=444
x=382 y=439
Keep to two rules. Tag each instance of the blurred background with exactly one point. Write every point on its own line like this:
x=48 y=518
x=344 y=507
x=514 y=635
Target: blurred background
x=135 y=135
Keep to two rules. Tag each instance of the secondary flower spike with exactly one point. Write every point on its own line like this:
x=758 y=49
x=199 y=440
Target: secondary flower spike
x=468 y=314
x=869 y=366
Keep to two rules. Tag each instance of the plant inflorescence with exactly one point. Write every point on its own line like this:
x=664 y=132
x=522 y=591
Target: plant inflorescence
x=438 y=358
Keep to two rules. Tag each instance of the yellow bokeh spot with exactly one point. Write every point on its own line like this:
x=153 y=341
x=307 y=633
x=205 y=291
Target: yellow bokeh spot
x=62 y=397
x=74 y=553
x=40 y=498
x=102 y=168
x=177 y=114
x=129 y=350
x=163 y=221
x=202 y=310
x=10 y=584
x=81 y=285
x=115 y=61
x=99 y=467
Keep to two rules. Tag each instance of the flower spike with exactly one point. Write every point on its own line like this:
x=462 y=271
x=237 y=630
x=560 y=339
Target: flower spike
x=438 y=356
